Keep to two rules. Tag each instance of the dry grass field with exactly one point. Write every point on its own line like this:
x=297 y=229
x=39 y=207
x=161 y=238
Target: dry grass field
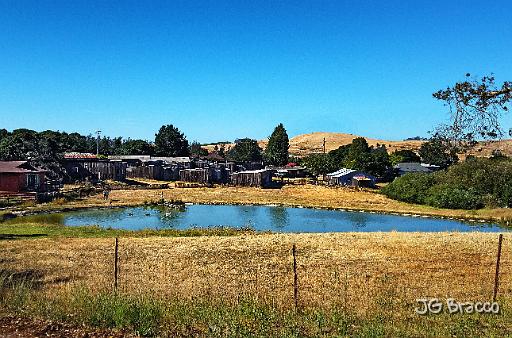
x=354 y=271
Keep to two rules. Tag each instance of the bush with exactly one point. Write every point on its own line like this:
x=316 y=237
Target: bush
x=445 y=196
x=472 y=184
x=411 y=188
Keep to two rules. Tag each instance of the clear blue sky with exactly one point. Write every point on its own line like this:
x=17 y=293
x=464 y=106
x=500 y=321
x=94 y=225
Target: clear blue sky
x=221 y=70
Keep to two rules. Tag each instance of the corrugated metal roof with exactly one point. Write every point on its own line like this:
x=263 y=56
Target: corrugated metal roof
x=341 y=172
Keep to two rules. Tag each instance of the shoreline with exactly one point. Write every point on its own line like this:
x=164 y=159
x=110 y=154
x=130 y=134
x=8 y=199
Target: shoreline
x=263 y=197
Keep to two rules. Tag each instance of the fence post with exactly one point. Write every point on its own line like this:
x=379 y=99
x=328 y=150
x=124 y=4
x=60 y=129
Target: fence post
x=116 y=251
x=497 y=275
x=295 y=278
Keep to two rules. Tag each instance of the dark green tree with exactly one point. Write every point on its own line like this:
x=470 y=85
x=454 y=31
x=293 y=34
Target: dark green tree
x=319 y=164
x=438 y=151
x=401 y=156
x=136 y=147
x=169 y=141
x=245 y=150
x=276 y=152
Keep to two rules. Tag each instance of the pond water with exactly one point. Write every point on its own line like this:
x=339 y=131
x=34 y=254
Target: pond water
x=273 y=218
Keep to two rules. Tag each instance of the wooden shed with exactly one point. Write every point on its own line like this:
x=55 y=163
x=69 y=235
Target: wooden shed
x=253 y=178
x=198 y=175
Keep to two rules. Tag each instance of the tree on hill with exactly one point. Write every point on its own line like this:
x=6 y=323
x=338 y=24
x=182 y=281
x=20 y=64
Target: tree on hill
x=276 y=152
x=169 y=141
x=245 y=150
x=401 y=156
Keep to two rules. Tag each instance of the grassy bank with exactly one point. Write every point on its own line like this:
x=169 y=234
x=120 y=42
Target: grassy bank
x=306 y=196
x=246 y=317
x=22 y=230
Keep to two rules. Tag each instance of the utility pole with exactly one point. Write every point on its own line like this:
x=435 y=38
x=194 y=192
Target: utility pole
x=98 y=132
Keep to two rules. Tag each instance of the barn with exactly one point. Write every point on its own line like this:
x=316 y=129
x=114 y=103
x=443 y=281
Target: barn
x=21 y=176
x=350 y=177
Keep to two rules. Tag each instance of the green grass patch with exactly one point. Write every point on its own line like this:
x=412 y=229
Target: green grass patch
x=35 y=230
x=148 y=315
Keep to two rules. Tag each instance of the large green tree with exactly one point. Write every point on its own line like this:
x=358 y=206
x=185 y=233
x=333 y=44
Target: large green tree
x=319 y=164
x=439 y=152
x=245 y=150
x=169 y=141
x=276 y=152
x=136 y=147
x=401 y=156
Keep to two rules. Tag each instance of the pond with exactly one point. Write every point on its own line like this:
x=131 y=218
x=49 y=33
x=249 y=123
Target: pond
x=261 y=218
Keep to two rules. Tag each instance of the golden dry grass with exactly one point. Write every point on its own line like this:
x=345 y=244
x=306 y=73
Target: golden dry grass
x=305 y=144
x=356 y=271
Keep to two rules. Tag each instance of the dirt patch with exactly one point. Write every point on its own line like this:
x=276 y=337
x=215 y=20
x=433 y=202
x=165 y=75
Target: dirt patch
x=15 y=326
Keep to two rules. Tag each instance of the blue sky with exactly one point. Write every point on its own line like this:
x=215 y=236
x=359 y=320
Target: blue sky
x=221 y=70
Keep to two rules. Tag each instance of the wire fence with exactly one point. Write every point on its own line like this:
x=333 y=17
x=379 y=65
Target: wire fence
x=307 y=271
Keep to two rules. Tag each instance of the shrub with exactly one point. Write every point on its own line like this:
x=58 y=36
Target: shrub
x=411 y=188
x=452 y=197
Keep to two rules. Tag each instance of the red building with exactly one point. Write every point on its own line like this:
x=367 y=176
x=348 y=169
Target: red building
x=18 y=176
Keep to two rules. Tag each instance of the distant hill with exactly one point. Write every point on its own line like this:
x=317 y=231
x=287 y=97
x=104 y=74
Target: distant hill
x=305 y=144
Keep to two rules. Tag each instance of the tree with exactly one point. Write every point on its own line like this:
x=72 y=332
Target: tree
x=438 y=152
x=276 y=152
x=401 y=156
x=169 y=141
x=245 y=150
x=136 y=147
x=196 y=150
x=319 y=164
x=476 y=107
x=360 y=156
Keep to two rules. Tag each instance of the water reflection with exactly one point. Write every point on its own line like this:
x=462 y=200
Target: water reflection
x=278 y=217
x=358 y=219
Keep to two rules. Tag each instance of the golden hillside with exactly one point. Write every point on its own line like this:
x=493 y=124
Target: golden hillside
x=305 y=144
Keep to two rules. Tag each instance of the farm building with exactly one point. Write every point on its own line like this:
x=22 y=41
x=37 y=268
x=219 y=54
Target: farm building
x=92 y=168
x=411 y=167
x=350 y=177
x=21 y=176
x=291 y=172
x=253 y=178
x=131 y=160
x=198 y=175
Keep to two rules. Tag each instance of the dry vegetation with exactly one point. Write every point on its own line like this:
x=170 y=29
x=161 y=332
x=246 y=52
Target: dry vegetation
x=360 y=273
x=305 y=144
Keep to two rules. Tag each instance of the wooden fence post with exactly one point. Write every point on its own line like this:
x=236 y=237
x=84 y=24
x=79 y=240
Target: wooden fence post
x=497 y=275
x=116 y=252
x=295 y=278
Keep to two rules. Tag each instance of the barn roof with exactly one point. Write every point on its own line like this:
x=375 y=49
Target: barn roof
x=19 y=167
x=341 y=172
x=412 y=167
